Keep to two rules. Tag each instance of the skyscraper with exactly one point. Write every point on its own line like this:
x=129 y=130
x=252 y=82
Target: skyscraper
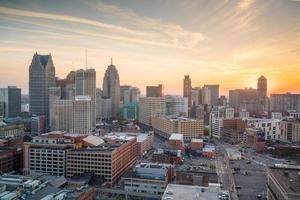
x=85 y=85
x=41 y=78
x=111 y=87
x=155 y=91
x=10 y=99
x=187 y=89
x=210 y=94
x=262 y=99
x=54 y=95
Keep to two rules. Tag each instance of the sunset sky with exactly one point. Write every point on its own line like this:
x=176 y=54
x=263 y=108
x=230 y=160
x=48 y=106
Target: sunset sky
x=226 y=42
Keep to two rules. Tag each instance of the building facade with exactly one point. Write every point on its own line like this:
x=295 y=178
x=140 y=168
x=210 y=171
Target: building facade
x=10 y=98
x=155 y=91
x=187 y=89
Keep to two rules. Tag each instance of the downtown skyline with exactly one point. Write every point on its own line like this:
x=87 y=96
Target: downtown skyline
x=230 y=43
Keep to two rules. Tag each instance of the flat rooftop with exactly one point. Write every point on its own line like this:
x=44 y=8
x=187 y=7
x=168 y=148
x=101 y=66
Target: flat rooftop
x=191 y=192
x=288 y=178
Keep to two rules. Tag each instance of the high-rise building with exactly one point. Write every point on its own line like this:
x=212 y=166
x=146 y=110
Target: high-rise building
x=187 y=89
x=285 y=102
x=123 y=88
x=150 y=107
x=98 y=103
x=131 y=103
x=155 y=91
x=131 y=95
x=54 y=95
x=82 y=109
x=196 y=96
x=10 y=98
x=41 y=78
x=290 y=130
x=62 y=115
x=210 y=94
x=111 y=87
x=243 y=99
x=67 y=86
x=85 y=83
x=262 y=99
x=176 y=105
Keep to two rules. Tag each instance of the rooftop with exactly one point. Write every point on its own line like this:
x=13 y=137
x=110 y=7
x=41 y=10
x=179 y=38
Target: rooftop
x=189 y=192
x=176 y=136
x=288 y=178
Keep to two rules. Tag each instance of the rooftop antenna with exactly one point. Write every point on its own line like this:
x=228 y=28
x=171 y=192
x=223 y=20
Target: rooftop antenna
x=111 y=61
x=85 y=58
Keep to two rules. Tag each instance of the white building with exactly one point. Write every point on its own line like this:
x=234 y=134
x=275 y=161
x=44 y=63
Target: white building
x=233 y=154
x=271 y=127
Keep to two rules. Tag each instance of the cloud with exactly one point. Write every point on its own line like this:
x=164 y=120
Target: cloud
x=245 y=4
x=145 y=31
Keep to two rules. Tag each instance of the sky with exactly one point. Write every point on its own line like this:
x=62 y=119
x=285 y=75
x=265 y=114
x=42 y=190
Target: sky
x=225 y=42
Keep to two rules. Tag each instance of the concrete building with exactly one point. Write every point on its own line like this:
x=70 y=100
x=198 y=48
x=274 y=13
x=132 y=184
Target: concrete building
x=196 y=96
x=46 y=154
x=148 y=178
x=85 y=83
x=62 y=115
x=111 y=88
x=283 y=183
x=233 y=130
x=270 y=127
x=285 y=102
x=180 y=192
x=54 y=95
x=155 y=91
x=82 y=115
x=262 y=98
x=255 y=138
x=98 y=104
x=290 y=130
x=11 y=129
x=109 y=160
x=170 y=156
x=41 y=78
x=145 y=142
x=167 y=125
x=243 y=99
x=10 y=99
x=131 y=103
x=37 y=125
x=210 y=94
x=187 y=89
x=123 y=88
x=106 y=109
x=131 y=95
x=11 y=158
x=176 y=142
x=151 y=107
x=176 y=105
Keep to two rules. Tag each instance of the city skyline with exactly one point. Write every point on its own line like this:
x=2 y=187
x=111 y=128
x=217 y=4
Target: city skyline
x=230 y=43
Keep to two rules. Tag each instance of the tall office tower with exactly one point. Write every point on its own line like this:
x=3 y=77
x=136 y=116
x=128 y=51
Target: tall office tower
x=82 y=109
x=155 y=91
x=131 y=95
x=98 y=103
x=176 y=105
x=262 y=98
x=243 y=99
x=54 y=95
x=150 y=107
x=85 y=83
x=196 y=96
x=41 y=78
x=123 y=88
x=187 y=89
x=111 y=87
x=1 y=110
x=222 y=101
x=67 y=86
x=10 y=98
x=62 y=115
x=210 y=94
x=285 y=102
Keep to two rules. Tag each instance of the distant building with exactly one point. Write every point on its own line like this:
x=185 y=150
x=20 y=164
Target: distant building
x=167 y=125
x=151 y=107
x=176 y=142
x=290 y=130
x=11 y=129
x=10 y=99
x=262 y=99
x=145 y=142
x=283 y=183
x=255 y=138
x=176 y=105
x=54 y=95
x=210 y=94
x=187 y=89
x=170 y=156
x=233 y=130
x=243 y=99
x=155 y=91
x=123 y=88
x=233 y=154
x=285 y=102
x=131 y=103
x=38 y=124
x=41 y=78
x=82 y=115
x=270 y=127
x=111 y=88
x=11 y=159
x=62 y=115
x=148 y=178
x=196 y=96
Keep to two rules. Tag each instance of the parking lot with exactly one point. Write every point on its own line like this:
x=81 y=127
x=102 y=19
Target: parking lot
x=250 y=179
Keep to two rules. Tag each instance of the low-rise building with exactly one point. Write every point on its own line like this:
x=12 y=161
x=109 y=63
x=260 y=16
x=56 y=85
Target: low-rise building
x=233 y=130
x=148 y=178
x=109 y=160
x=255 y=138
x=167 y=125
x=180 y=192
x=196 y=144
x=11 y=129
x=144 y=142
x=233 y=154
x=171 y=156
x=209 y=151
x=291 y=130
x=176 y=142
x=283 y=183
